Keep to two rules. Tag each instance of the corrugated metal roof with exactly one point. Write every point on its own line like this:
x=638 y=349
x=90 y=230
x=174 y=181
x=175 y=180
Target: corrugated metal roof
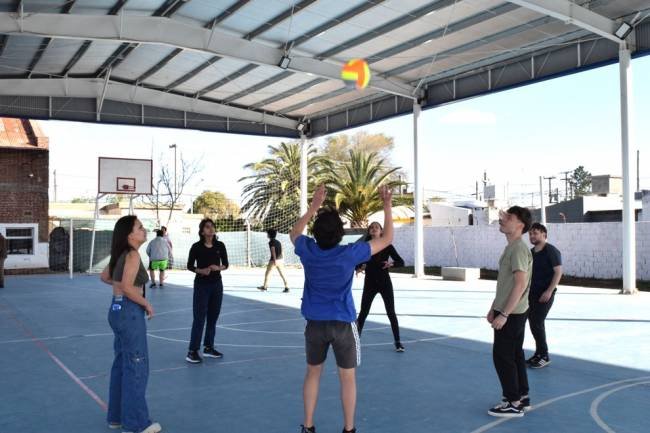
x=180 y=55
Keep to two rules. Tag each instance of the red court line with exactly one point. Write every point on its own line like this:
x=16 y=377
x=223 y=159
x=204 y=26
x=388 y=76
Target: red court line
x=56 y=360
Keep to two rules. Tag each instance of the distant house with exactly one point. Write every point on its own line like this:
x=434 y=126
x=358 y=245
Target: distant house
x=604 y=204
x=24 y=181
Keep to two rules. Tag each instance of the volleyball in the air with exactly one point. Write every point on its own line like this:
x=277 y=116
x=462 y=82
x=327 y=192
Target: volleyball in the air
x=356 y=72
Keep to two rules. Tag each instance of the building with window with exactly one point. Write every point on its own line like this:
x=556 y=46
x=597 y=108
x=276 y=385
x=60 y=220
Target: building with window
x=24 y=179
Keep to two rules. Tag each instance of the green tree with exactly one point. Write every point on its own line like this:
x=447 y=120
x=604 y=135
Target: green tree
x=215 y=204
x=338 y=147
x=83 y=200
x=355 y=182
x=271 y=195
x=580 y=181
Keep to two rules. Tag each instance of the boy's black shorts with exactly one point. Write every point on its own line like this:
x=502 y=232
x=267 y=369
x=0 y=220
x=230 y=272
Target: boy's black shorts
x=343 y=336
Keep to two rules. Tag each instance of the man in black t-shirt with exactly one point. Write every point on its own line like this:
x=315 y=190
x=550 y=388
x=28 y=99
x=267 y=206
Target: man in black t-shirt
x=275 y=261
x=547 y=271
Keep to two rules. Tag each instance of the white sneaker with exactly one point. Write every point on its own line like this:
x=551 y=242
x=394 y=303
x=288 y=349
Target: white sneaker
x=153 y=428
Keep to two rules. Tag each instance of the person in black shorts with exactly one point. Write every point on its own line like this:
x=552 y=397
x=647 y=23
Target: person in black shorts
x=377 y=280
x=207 y=258
x=547 y=272
x=327 y=302
x=275 y=261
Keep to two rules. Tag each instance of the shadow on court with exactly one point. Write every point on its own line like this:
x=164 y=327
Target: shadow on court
x=56 y=350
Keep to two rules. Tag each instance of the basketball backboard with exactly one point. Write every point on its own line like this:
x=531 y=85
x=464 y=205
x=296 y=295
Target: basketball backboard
x=125 y=176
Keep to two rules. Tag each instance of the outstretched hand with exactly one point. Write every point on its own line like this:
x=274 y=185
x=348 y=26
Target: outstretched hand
x=319 y=197
x=386 y=195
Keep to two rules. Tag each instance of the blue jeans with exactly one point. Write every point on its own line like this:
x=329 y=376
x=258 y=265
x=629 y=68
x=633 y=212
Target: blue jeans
x=208 y=296
x=126 y=402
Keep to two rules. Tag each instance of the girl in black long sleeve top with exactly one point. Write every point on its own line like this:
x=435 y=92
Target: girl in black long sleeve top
x=207 y=258
x=377 y=280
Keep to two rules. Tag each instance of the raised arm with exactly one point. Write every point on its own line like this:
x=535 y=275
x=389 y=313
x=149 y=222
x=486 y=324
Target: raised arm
x=316 y=202
x=377 y=245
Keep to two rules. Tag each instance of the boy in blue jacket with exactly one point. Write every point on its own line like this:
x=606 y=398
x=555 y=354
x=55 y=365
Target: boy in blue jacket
x=327 y=302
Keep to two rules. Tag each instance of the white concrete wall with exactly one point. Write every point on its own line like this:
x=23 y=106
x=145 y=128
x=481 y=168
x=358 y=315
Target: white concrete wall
x=40 y=258
x=591 y=250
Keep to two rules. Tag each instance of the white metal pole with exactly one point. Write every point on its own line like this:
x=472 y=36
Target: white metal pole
x=629 y=236
x=303 y=174
x=419 y=200
x=71 y=249
x=92 y=237
x=542 y=207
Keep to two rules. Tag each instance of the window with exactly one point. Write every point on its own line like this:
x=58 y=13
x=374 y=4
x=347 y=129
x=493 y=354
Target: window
x=20 y=240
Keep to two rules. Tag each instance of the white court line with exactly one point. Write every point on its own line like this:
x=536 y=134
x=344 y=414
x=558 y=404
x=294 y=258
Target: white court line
x=255 y=331
x=185 y=328
x=545 y=403
x=216 y=363
x=593 y=411
x=263 y=346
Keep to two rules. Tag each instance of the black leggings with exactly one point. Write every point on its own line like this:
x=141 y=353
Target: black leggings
x=389 y=301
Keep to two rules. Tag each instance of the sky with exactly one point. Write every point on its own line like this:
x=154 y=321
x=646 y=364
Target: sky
x=515 y=136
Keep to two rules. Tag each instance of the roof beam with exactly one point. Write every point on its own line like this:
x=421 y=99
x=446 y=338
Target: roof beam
x=46 y=42
x=93 y=88
x=470 y=46
x=278 y=19
x=192 y=73
x=225 y=80
x=422 y=62
x=158 y=66
x=316 y=32
x=169 y=8
x=117 y=7
x=388 y=27
x=116 y=58
x=376 y=32
x=155 y=30
x=258 y=86
x=227 y=13
x=261 y=29
x=575 y=14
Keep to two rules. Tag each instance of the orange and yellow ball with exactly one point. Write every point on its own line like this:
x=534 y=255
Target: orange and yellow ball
x=356 y=71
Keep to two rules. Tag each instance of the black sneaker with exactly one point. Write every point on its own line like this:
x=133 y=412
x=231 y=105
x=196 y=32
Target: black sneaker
x=354 y=430
x=532 y=359
x=210 y=352
x=152 y=285
x=193 y=357
x=524 y=402
x=160 y=285
x=506 y=410
x=304 y=429
x=541 y=362
x=286 y=290
x=261 y=288
x=399 y=347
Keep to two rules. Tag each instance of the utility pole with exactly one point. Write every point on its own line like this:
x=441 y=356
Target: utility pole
x=638 y=173
x=55 y=200
x=566 y=185
x=476 y=193
x=550 y=190
x=173 y=146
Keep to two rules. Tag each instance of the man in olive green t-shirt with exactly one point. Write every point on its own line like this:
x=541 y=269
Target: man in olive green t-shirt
x=508 y=314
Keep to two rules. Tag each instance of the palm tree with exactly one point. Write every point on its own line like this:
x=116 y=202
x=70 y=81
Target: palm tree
x=355 y=184
x=272 y=193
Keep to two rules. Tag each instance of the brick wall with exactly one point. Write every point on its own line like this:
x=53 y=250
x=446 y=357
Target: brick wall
x=589 y=250
x=24 y=179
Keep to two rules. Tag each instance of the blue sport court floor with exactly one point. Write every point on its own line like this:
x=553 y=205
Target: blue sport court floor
x=56 y=349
